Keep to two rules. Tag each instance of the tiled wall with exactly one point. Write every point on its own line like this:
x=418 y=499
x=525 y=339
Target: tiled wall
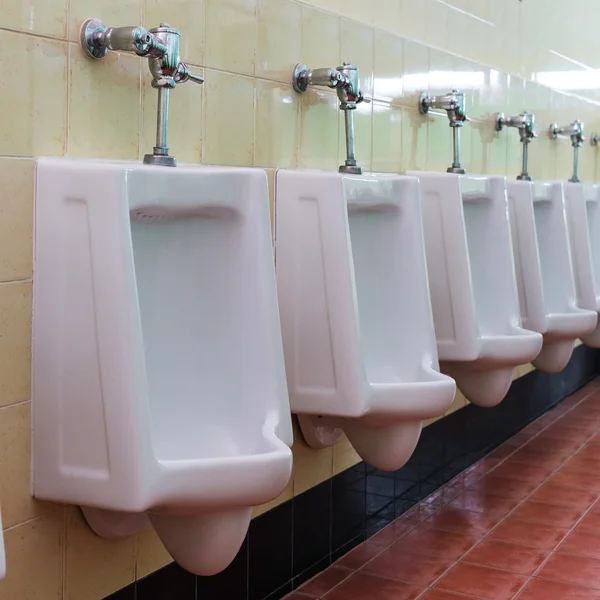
x=56 y=102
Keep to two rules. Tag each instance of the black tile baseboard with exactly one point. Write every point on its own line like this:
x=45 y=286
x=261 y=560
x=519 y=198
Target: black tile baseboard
x=296 y=540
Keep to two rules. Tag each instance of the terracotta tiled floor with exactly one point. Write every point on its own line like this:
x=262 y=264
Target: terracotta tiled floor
x=522 y=523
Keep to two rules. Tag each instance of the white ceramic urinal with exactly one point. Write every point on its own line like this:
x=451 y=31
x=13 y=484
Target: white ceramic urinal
x=544 y=270
x=473 y=287
x=159 y=385
x=583 y=211
x=355 y=312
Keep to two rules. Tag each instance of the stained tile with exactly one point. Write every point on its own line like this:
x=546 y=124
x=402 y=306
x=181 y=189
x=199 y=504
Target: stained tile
x=394 y=531
x=324 y=582
x=582 y=543
x=548 y=514
x=568 y=568
x=436 y=594
x=526 y=533
x=363 y=585
x=506 y=556
x=553 y=493
x=482 y=582
x=434 y=542
x=541 y=589
x=356 y=558
x=398 y=563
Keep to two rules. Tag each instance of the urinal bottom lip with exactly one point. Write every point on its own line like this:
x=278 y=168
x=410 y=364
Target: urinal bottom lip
x=507 y=350
x=592 y=340
x=483 y=387
x=555 y=355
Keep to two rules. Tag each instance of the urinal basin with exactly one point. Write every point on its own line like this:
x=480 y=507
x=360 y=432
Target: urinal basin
x=356 y=319
x=474 y=296
x=544 y=269
x=158 y=378
x=583 y=212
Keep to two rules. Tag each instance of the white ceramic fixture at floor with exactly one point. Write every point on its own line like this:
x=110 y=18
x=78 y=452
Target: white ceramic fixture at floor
x=583 y=211
x=544 y=269
x=473 y=286
x=159 y=391
x=355 y=312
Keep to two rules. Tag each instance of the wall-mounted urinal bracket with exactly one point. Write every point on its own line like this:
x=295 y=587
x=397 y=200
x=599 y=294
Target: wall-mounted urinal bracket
x=346 y=81
x=594 y=139
x=525 y=123
x=575 y=132
x=161 y=46
x=454 y=105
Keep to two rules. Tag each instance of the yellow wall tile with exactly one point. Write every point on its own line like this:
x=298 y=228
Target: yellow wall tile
x=35 y=70
x=16 y=502
x=319 y=123
x=229 y=21
x=104 y=111
x=151 y=555
x=279 y=39
x=277 y=125
x=34 y=552
x=16 y=219
x=228 y=119
x=44 y=17
x=94 y=567
x=247 y=114
x=15 y=342
x=321 y=39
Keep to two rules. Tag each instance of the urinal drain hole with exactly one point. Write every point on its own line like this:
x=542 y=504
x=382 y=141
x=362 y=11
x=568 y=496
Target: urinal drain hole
x=139 y=215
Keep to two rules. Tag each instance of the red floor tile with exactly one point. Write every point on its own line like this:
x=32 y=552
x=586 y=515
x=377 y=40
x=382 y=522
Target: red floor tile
x=541 y=589
x=482 y=582
x=507 y=556
x=538 y=458
x=563 y=448
x=595 y=440
x=356 y=558
x=536 y=535
x=580 y=422
x=572 y=569
x=582 y=543
x=324 y=582
x=589 y=482
x=591 y=521
x=553 y=493
x=504 y=487
x=590 y=451
x=364 y=585
x=548 y=514
x=492 y=506
x=295 y=596
x=436 y=594
x=513 y=469
x=393 y=532
x=434 y=542
x=462 y=521
x=397 y=563
x=584 y=464
x=564 y=431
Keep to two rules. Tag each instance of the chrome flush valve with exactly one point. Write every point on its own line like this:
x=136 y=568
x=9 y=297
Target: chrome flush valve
x=575 y=132
x=525 y=124
x=161 y=46
x=454 y=104
x=346 y=81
